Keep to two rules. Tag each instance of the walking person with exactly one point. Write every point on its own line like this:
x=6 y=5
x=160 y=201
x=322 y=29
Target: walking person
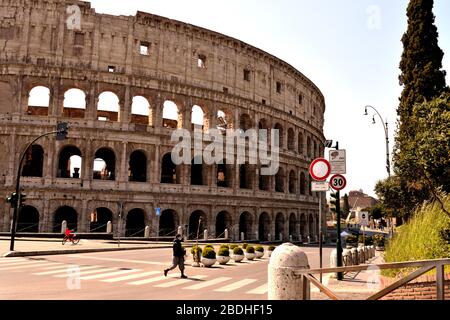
x=178 y=257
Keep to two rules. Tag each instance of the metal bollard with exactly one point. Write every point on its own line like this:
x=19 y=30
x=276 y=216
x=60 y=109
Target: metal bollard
x=282 y=283
x=63 y=227
x=109 y=229
x=147 y=232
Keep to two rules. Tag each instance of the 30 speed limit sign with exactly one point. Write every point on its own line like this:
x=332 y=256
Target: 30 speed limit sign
x=338 y=182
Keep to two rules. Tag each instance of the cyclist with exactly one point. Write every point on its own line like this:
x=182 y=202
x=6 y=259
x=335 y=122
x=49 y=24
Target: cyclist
x=69 y=234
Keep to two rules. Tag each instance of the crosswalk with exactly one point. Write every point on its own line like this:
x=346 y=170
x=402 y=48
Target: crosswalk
x=132 y=277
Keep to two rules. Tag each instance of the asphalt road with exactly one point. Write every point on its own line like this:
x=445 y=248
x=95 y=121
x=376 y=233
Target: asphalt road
x=133 y=275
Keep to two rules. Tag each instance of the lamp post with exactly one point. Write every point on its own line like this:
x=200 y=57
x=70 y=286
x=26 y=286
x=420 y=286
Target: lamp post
x=386 y=132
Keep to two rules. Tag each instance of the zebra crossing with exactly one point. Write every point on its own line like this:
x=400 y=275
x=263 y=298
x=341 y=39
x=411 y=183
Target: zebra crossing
x=131 y=277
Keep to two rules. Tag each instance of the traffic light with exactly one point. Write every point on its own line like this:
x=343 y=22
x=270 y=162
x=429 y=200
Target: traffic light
x=12 y=200
x=334 y=201
x=63 y=130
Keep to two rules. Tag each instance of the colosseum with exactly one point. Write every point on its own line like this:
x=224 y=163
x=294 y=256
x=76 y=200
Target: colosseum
x=124 y=84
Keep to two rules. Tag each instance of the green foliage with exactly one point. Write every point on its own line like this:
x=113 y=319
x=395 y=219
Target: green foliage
x=368 y=240
x=379 y=240
x=208 y=246
x=224 y=252
x=250 y=249
x=238 y=251
x=423 y=237
x=209 y=253
x=224 y=246
x=244 y=246
x=259 y=249
x=271 y=248
x=232 y=246
x=377 y=211
x=195 y=248
x=351 y=239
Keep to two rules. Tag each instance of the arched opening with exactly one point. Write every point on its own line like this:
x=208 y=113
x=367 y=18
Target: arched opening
x=223 y=221
x=168 y=170
x=105 y=165
x=28 y=220
x=279 y=127
x=246 y=225
x=301 y=143
x=196 y=225
x=224 y=175
x=171 y=115
x=168 y=223
x=108 y=107
x=302 y=183
x=34 y=162
x=291 y=139
x=135 y=226
x=197 y=172
x=311 y=225
x=141 y=111
x=280 y=180
x=224 y=121
x=316 y=152
x=292 y=182
x=279 y=227
x=293 y=226
x=197 y=117
x=74 y=103
x=38 y=101
x=70 y=163
x=67 y=214
x=245 y=122
x=303 y=223
x=264 y=181
x=309 y=147
x=264 y=227
x=245 y=176
x=99 y=220
x=137 y=170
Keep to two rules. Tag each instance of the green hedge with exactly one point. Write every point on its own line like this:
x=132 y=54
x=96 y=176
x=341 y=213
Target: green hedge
x=224 y=252
x=250 y=249
x=259 y=249
x=271 y=248
x=238 y=251
x=209 y=253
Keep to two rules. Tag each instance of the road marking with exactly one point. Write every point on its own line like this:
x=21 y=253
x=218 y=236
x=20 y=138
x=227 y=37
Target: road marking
x=55 y=265
x=123 y=260
x=8 y=260
x=236 y=285
x=147 y=281
x=83 y=273
x=64 y=270
x=208 y=283
x=99 y=276
x=260 y=290
x=34 y=264
x=20 y=263
x=132 y=276
x=179 y=282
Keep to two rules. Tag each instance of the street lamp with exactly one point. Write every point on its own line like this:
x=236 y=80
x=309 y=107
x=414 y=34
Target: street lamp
x=386 y=132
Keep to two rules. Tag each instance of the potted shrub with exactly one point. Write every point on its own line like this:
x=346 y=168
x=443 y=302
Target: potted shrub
x=351 y=241
x=208 y=246
x=223 y=256
x=196 y=251
x=244 y=246
x=250 y=253
x=259 y=251
x=208 y=257
x=224 y=246
x=379 y=242
x=270 y=250
x=238 y=255
x=232 y=246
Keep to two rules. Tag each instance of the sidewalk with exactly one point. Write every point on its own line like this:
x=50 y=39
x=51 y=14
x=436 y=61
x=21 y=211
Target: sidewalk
x=355 y=286
x=40 y=246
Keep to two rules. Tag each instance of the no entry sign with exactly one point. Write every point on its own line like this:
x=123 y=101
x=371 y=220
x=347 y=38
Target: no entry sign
x=338 y=182
x=320 y=169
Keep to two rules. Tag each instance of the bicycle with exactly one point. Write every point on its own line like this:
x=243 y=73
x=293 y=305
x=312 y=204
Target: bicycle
x=72 y=239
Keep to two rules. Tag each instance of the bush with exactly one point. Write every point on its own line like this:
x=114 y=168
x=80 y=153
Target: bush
x=209 y=253
x=379 y=240
x=368 y=240
x=250 y=249
x=244 y=246
x=238 y=251
x=232 y=246
x=224 y=252
x=208 y=246
x=271 y=248
x=259 y=249
x=224 y=246
x=351 y=239
x=194 y=248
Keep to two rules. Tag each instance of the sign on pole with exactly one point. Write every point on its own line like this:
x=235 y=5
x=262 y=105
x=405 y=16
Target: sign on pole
x=363 y=218
x=320 y=169
x=320 y=186
x=158 y=212
x=338 y=182
x=338 y=161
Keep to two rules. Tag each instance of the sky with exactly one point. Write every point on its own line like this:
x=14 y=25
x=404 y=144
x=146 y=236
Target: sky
x=350 y=49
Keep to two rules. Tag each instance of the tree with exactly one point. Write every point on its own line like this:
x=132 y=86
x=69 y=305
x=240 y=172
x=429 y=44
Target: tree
x=345 y=205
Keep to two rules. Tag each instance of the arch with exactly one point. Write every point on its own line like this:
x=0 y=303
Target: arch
x=264 y=181
x=309 y=147
x=141 y=112
x=99 y=219
x=171 y=115
x=263 y=124
x=108 y=106
x=197 y=178
x=293 y=226
x=223 y=221
x=302 y=183
x=135 y=225
x=69 y=163
x=264 y=227
x=28 y=220
x=245 y=176
x=279 y=227
x=245 y=122
x=246 y=225
x=280 y=181
x=224 y=121
x=303 y=222
x=195 y=225
x=65 y=213
x=34 y=162
x=74 y=105
x=197 y=116
x=224 y=175
x=291 y=139
x=292 y=182
x=315 y=150
x=311 y=225
x=38 y=101
x=104 y=164
x=169 y=173
x=301 y=143
x=168 y=222
x=137 y=170
x=280 y=129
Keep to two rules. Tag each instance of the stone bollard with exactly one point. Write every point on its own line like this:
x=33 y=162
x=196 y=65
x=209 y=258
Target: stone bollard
x=374 y=251
x=291 y=239
x=147 y=232
x=269 y=237
x=355 y=257
x=109 y=229
x=309 y=239
x=281 y=236
x=361 y=255
x=63 y=227
x=205 y=235
x=282 y=284
x=226 y=234
x=300 y=238
x=180 y=230
x=367 y=253
x=333 y=258
x=242 y=236
x=347 y=258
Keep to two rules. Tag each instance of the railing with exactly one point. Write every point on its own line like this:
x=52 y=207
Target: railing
x=170 y=234
x=141 y=231
x=100 y=227
x=425 y=266
x=23 y=227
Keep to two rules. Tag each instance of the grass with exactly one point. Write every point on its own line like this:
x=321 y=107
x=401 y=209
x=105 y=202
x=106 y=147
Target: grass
x=421 y=238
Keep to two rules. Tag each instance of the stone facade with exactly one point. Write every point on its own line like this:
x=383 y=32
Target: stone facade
x=158 y=60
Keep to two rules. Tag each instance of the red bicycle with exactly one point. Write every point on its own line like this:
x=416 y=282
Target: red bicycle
x=72 y=238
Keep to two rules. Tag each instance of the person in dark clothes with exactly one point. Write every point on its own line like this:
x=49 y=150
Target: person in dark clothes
x=178 y=257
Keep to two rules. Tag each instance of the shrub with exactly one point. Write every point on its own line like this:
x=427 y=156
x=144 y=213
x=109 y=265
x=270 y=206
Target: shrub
x=259 y=249
x=209 y=253
x=271 y=248
x=232 y=246
x=351 y=239
x=194 y=249
x=238 y=251
x=379 y=240
x=368 y=240
x=224 y=252
x=224 y=246
x=208 y=246
x=244 y=246
x=250 y=249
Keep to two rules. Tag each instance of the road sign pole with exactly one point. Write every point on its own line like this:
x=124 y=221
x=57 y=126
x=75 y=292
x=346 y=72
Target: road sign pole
x=340 y=275
x=320 y=232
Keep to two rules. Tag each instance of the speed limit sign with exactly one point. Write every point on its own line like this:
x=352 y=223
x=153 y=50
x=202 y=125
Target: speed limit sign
x=338 y=182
